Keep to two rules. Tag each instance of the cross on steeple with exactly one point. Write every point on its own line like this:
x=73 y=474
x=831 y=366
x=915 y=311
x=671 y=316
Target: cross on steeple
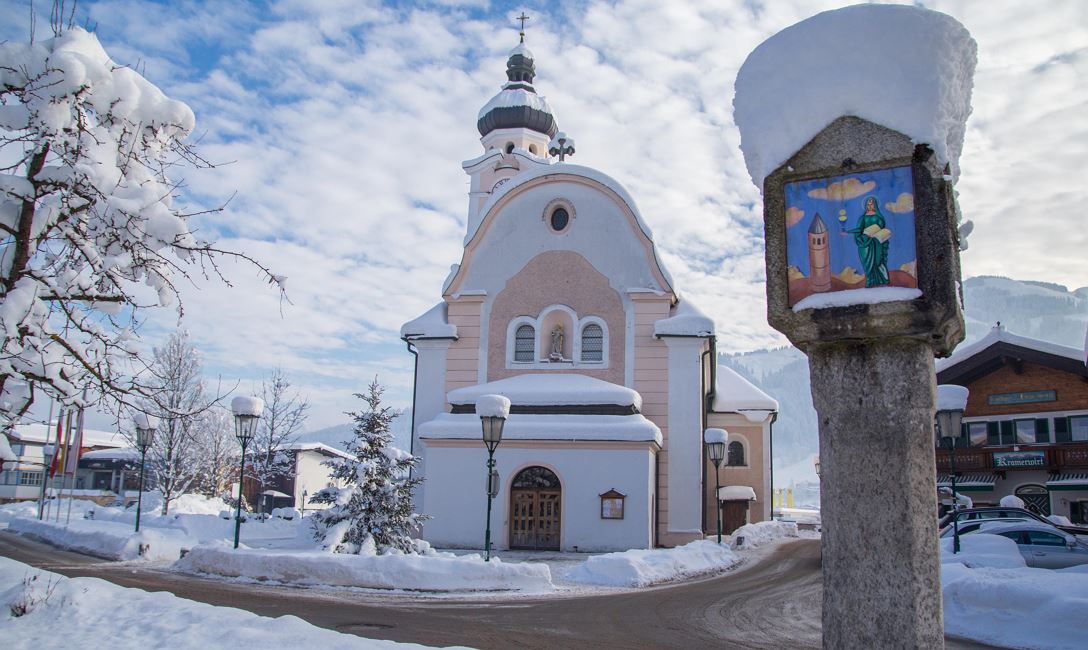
x=522 y=18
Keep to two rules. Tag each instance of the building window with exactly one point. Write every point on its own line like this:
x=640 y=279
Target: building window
x=976 y=433
x=1078 y=428
x=559 y=219
x=525 y=343
x=30 y=478
x=735 y=455
x=1025 y=432
x=592 y=343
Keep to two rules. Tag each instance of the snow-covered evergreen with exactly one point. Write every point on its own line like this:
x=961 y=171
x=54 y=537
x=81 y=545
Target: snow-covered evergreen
x=372 y=512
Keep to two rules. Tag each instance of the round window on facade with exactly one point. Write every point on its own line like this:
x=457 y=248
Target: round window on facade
x=559 y=219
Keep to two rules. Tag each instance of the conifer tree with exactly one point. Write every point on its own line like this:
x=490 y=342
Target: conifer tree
x=373 y=511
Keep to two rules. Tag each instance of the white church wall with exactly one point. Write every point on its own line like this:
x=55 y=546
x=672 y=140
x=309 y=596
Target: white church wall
x=684 y=442
x=459 y=506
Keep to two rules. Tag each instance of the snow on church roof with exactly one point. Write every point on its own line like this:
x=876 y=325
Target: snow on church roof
x=784 y=97
x=733 y=393
x=686 y=320
x=510 y=97
x=466 y=426
x=432 y=324
x=539 y=389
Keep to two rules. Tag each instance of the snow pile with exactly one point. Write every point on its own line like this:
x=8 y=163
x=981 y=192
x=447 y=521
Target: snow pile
x=983 y=551
x=867 y=296
x=951 y=397
x=686 y=320
x=114 y=541
x=538 y=389
x=764 y=532
x=56 y=610
x=640 y=568
x=906 y=68
x=1011 y=501
x=434 y=572
x=26 y=509
x=496 y=406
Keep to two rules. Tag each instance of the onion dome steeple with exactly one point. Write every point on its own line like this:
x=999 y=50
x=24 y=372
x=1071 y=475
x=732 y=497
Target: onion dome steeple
x=518 y=106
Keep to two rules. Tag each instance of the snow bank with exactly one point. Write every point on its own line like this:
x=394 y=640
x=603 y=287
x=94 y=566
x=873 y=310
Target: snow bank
x=867 y=296
x=64 y=610
x=439 y=572
x=113 y=541
x=1015 y=608
x=764 y=532
x=906 y=68
x=640 y=568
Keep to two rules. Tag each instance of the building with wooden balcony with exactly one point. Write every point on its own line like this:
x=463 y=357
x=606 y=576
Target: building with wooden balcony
x=1025 y=429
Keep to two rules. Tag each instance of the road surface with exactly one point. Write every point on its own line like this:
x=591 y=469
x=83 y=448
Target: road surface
x=773 y=604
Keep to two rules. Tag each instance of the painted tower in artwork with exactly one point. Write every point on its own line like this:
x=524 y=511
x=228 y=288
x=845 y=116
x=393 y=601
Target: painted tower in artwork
x=819 y=256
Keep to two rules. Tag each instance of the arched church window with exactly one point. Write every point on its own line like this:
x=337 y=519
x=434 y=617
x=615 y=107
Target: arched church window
x=536 y=478
x=532 y=149
x=524 y=343
x=736 y=454
x=592 y=343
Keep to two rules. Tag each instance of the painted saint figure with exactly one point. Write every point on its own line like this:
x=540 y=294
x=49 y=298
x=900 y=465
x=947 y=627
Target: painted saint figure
x=557 y=341
x=871 y=237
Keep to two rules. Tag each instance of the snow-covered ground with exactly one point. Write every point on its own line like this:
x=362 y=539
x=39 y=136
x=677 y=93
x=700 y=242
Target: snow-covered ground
x=991 y=596
x=39 y=609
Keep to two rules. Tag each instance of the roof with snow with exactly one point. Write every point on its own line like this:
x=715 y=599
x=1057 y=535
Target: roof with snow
x=91 y=438
x=319 y=447
x=538 y=389
x=118 y=453
x=685 y=320
x=626 y=428
x=735 y=394
x=517 y=106
x=786 y=93
x=1000 y=347
x=433 y=324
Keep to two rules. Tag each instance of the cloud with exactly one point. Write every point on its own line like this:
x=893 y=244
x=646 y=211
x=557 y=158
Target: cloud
x=844 y=190
x=904 y=203
x=794 y=216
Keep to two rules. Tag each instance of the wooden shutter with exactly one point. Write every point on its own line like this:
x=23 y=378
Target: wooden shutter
x=1061 y=430
x=1008 y=432
x=1042 y=430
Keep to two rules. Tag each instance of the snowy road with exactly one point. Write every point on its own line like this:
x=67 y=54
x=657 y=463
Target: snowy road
x=774 y=604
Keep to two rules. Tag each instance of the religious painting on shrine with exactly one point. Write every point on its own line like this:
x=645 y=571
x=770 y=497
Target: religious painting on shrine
x=854 y=231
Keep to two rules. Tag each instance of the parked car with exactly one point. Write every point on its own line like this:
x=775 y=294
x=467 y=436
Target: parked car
x=984 y=525
x=1003 y=512
x=1041 y=545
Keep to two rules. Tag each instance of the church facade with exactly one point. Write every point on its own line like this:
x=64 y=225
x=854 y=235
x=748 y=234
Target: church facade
x=562 y=304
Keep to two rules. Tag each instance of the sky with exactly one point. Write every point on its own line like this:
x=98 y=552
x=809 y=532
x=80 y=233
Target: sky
x=339 y=127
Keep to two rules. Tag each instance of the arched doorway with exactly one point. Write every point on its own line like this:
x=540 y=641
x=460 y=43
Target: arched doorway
x=1036 y=498
x=535 y=497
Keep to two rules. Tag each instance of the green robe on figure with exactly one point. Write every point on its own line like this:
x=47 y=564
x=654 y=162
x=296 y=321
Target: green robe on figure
x=873 y=252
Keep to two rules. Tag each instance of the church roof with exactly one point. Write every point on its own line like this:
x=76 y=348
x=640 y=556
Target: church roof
x=735 y=394
x=539 y=389
x=433 y=324
x=518 y=105
x=685 y=320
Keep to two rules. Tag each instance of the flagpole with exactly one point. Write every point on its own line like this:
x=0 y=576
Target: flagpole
x=75 y=460
x=64 y=462
x=51 y=473
x=45 y=469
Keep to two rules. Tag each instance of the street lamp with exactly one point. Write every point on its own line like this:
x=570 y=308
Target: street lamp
x=145 y=437
x=247 y=410
x=715 y=447
x=816 y=462
x=951 y=402
x=493 y=411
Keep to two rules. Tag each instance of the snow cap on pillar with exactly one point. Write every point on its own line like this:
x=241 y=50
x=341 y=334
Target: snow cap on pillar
x=951 y=397
x=247 y=405
x=493 y=406
x=712 y=435
x=144 y=421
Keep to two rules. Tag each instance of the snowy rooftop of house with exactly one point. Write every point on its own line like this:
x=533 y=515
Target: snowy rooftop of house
x=91 y=438
x=432 y=324
x=548 y=390
x=119 y=453
x=733 y=393
x=685 y=320
x=1000 y=335
x=903 y=67
x=466 y=426
x=318 y=447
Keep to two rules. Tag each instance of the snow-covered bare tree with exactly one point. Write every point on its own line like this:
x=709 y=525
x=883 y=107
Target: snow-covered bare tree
x=91 y=233
x=217 y=452
x=285 y=413
x=372 y=513
x=179 y=402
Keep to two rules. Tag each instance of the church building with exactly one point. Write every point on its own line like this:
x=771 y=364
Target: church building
x=562 y=304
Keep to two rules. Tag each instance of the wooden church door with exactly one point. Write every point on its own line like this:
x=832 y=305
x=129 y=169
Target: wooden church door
x=535 y=517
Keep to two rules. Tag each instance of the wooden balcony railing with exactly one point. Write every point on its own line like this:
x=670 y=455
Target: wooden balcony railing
x=1059 y=457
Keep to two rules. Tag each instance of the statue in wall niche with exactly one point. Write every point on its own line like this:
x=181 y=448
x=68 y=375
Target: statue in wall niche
x=557 y=343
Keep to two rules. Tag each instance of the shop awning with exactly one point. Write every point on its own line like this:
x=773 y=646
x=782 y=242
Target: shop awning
x=968 y=482
x=736 y=493
x=1068 y=482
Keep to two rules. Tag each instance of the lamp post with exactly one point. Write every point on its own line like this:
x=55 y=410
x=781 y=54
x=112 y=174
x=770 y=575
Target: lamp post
x=493 y=411
x=304 y=495
x=715 y=448
x=951 y=402
x=145 y=437
x=247 y=410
